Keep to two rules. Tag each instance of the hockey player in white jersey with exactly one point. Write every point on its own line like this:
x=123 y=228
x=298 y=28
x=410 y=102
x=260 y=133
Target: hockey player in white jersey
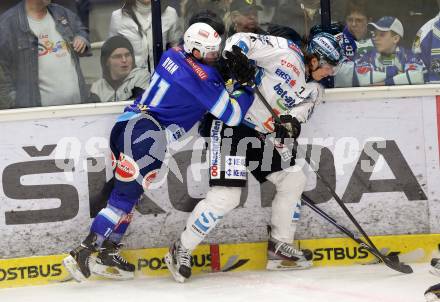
x=281 y=79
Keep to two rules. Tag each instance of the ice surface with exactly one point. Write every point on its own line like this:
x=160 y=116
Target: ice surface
x=372 y=283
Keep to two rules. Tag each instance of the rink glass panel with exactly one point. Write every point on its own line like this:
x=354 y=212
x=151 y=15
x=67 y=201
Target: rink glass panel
x=412 y=14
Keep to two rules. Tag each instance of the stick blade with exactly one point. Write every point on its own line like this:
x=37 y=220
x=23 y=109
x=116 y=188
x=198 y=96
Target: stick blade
x=398 y=266
x=392 y=261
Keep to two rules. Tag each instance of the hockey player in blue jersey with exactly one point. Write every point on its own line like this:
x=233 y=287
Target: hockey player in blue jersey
x=427 y=47
x=183 y=88
x=263 y=145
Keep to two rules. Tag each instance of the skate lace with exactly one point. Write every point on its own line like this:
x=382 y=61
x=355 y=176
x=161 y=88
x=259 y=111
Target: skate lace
x=118 y=256
x=288 y=249
x=184 y=258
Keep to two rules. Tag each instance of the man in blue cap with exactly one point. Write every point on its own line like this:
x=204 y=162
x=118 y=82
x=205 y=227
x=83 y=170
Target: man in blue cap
x=388 y=63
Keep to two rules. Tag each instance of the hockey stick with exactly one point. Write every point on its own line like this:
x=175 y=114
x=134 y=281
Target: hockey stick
x=391 y=263
x=394 y=259
x=311 y=204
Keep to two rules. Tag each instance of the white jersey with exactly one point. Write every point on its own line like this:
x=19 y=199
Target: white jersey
x=280 y=78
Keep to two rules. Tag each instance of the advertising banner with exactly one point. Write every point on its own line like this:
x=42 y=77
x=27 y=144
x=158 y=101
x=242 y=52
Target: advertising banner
x=381 y=157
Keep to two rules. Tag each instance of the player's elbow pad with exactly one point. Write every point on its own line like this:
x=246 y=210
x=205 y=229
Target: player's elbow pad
x=236 y=114
x=240 y=100
x=231 y=108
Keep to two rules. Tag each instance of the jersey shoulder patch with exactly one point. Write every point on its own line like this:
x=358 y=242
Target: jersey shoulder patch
x=176 y=58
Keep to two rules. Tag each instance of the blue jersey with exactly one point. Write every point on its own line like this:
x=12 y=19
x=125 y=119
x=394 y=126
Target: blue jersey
x=400 y=68
x=352 y=48
x=182 y=90
x=427 y=46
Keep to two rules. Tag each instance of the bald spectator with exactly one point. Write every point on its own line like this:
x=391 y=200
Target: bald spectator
x=191 y=7
x=243 y=17
x=301 y=15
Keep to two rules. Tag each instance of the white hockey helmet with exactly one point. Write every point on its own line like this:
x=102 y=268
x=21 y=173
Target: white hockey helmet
x=204 y=38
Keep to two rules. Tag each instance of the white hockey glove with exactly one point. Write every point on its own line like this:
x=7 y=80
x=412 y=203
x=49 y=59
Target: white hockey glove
x=314 y=93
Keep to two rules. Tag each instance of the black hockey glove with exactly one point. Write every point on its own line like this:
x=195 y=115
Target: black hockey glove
x=223 y=69
x=240 y=67
x=289 y=128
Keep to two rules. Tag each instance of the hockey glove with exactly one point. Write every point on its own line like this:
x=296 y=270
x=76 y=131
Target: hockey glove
x=240 y=67
x=289 y=128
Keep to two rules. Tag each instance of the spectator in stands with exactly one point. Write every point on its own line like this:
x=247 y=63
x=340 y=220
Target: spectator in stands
x=40 y=45
x=176 y=4
x=356 y=39
x=134 y=22
x=121 y=79
x=427 y=47
x=388 y=63
x=243 y=17
x=301 y=15
x=80 y=7
x=267 y=14
x=191 y=7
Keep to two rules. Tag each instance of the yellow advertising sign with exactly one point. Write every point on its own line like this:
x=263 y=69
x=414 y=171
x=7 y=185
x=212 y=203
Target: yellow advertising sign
x=228 y=257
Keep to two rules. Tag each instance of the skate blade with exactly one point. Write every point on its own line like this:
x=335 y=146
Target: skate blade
x=431 y=297
x=434 y=271
x=285 y=265
x=73 y=269
x=110 y=272
x=172 y=268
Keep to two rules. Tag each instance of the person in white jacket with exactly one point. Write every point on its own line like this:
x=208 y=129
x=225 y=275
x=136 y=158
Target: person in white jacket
x=134 y=22
x=121 y=79
x=286 y=81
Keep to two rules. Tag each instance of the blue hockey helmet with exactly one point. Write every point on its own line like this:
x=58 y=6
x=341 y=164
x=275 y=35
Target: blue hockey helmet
x=326 y=48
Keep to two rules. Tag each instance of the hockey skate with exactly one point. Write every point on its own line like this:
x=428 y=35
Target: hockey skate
x=178 y=261
x=110 y=264
x=432 y=294
x=435 y=266
x=77 y=263
x=283 y=256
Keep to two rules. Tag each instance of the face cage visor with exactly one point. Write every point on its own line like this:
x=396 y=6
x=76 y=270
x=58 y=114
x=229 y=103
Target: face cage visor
x=212 y=53
x=331 y=66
